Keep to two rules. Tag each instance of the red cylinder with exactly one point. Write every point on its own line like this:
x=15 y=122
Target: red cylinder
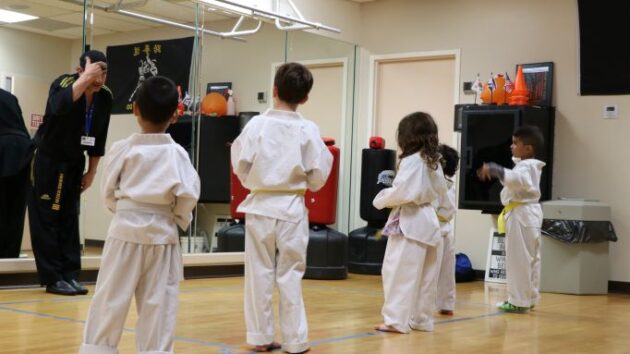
x=322 y=205
x=238 y=193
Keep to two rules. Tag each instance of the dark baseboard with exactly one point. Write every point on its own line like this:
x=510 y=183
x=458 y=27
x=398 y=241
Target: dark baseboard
x=621 y=287
x=19 y=280
x=94 y=243
x=214 y=271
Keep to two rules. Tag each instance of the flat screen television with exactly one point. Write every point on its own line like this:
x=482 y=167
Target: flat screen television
x=604 y=52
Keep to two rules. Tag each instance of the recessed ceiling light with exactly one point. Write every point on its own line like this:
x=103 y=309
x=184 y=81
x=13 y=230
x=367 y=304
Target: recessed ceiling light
x=7 y=16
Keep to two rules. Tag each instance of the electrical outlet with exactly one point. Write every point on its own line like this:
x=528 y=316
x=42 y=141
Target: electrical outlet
x=611 y=111
x=467 y=87
x=262 y=97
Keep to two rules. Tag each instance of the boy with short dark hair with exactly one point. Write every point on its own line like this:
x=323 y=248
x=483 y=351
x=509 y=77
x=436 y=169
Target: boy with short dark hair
x=277 y=157
x=521 y=218
x=151 y=187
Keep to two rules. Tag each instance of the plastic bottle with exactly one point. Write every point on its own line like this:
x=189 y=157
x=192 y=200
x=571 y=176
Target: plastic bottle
x=231 y=107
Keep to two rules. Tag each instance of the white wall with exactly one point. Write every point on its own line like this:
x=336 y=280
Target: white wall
x=495 y=35
x=21 y=57
x=341 y=14
x=23 y=53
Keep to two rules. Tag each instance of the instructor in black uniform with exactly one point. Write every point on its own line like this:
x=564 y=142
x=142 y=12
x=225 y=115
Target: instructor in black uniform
x=16 y=150
x=76 y=121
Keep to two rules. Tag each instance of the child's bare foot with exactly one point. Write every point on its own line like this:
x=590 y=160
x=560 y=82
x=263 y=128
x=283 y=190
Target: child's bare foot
x=446 y=312
x=385 y=328
x=267 y=347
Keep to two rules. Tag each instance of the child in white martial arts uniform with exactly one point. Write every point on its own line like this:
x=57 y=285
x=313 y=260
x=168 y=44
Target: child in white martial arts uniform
x=151 y=187
x=277 y=157
x=521 y=218
x=446 y=208
x=410 y=264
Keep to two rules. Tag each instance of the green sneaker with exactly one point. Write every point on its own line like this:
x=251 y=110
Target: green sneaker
x=507 y=307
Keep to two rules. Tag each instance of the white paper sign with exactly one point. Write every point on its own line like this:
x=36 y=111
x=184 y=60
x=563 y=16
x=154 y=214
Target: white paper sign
x=495 y=264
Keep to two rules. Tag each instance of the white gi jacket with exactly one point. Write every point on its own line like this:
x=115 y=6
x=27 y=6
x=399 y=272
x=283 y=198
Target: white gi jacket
x=152 y=173
x=279 y=152
x=522 y=184
x=445 y=207
x=415 y=187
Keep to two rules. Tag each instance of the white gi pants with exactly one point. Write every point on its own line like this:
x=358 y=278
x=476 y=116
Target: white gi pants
x=446 y=279
x=275 y=253
x=409 y=284
x=522 y=251
x=150 y=272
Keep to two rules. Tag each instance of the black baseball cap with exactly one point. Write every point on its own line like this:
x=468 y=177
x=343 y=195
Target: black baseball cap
x=94 y=56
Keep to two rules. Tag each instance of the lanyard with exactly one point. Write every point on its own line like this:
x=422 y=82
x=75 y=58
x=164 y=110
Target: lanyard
x=89 y=116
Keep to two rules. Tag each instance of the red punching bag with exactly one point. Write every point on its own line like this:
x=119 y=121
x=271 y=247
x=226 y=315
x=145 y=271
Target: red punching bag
x=238 y=193
x=322 y=205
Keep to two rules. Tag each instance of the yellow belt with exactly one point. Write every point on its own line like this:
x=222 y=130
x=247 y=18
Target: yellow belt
x=281 y=191
x=443 y=219
x=501 y=219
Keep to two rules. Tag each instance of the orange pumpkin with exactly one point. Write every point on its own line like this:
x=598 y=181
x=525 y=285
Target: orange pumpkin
x=214 y=104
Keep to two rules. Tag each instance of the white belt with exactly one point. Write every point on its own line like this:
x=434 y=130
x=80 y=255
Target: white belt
x=130 y=205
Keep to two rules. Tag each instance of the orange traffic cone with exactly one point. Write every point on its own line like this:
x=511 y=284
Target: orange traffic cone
x=498 y=96
x=520 y=95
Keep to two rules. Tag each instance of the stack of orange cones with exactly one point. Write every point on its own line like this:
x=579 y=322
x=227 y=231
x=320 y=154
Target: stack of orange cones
x=520 y=95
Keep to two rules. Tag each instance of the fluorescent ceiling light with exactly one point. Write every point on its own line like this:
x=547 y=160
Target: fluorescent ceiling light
x=7 y=16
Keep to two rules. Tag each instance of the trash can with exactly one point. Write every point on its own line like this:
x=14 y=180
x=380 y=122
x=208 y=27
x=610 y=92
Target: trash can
x=574 y=247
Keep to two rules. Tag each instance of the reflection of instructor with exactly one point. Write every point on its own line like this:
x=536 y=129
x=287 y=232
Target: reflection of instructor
x=15 y=154
x=76 y=121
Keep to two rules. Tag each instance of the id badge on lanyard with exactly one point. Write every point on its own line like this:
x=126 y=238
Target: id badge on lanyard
x=87 y=140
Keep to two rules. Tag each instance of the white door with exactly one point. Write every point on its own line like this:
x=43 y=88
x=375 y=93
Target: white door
x=410 y=85
x=324 y=105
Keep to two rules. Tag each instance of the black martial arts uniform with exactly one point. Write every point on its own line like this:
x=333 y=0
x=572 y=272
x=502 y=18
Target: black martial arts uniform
x=16 y=150
x=58 y=167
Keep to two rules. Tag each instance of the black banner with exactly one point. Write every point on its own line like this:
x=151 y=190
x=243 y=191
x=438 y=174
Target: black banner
x=129 y=65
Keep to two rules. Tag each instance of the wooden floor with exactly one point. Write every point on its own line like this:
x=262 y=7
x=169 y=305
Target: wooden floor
x=341 y=315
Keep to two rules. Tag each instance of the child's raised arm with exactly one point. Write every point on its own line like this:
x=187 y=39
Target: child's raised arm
x=518 y=178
